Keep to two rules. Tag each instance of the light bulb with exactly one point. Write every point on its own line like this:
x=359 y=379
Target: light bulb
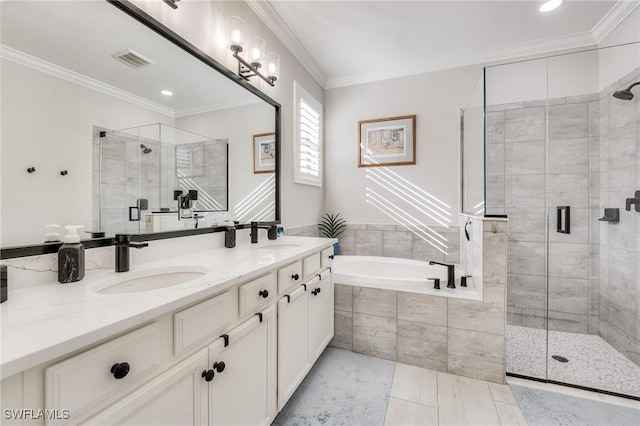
x=235 y=26
x=256 y=51
x=550 y=5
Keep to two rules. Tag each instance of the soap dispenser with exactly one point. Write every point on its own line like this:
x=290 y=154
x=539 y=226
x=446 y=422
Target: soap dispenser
x=71 y=257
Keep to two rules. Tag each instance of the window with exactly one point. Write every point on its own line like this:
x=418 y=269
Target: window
x=307 y=128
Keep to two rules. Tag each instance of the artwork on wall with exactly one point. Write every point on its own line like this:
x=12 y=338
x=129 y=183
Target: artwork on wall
x=387 y=141
x=264 y=153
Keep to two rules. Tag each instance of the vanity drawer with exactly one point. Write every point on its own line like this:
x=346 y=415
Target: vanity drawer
x=193 y=325
x=81 y=382
x=257 y=292
x=326 y=257
x=289 y=276
x=311 y=265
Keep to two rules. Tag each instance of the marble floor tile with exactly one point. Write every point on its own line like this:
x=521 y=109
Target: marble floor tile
x=415 y=384
x=510 y=415
x=464 y=401
x=407 y=413
x=550 y=408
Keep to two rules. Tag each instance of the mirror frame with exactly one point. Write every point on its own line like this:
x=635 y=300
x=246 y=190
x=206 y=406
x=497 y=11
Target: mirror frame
x=155 y=25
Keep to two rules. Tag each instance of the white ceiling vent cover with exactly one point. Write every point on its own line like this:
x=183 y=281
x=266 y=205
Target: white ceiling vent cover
x=132 y=58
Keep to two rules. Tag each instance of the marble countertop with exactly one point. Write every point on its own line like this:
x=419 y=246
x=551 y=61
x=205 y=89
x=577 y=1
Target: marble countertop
x=42 y=322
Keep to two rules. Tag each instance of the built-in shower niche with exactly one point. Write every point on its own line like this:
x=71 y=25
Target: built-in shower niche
x=139 y=172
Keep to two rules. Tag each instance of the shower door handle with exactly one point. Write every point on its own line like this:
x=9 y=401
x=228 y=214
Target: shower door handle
x=134 y=214
x=563 y=219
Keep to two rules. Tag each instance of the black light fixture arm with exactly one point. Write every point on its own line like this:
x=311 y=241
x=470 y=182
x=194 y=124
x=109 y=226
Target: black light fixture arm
x=246 y=70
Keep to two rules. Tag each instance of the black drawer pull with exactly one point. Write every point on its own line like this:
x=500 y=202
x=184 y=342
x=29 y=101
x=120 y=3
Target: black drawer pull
x=219 y=366
x=264 y=293
x=120 y=370
x=331 y=256
x=208 y=375
x=295 y=277
x=316 y=291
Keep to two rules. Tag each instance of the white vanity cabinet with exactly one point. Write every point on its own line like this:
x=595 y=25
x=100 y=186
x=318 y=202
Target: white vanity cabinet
x=305 y=327
x=177 y=397
x=233 y=357
x=243 y=389
x=320 y=314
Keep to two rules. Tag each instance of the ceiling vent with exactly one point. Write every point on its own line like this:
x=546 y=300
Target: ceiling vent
x=132 y=58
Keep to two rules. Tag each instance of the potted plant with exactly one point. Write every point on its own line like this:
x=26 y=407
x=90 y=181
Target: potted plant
x=332 y=226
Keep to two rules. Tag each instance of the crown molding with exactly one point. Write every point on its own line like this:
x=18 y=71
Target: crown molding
x=80 y=79
x=276 y=24
x=500 y=54
x=612 y=18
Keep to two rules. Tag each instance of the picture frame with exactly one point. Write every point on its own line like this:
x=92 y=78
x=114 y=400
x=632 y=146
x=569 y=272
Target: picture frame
x=264 y=153
x=387 y=141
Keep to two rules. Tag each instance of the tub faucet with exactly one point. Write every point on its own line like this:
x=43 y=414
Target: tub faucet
x=451 y=276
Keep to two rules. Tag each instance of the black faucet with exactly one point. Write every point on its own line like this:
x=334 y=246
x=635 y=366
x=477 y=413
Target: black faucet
x=451 y=273
x=123 y=243
x=272 y=228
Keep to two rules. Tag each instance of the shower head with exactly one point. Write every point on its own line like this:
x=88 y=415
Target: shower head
x=625 y=94
x=144 y=149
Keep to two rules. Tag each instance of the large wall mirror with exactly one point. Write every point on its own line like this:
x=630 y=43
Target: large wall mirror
x=91 y=136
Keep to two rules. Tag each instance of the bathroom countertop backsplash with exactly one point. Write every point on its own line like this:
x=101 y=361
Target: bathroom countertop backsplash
x=43 y=319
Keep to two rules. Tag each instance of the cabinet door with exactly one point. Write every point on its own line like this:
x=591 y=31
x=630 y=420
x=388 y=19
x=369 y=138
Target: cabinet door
x=176 y=397
x=320 y=315
x=293 y=342
x=243 y=391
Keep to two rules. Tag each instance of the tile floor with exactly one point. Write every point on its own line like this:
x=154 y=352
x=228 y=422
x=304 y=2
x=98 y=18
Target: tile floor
x=592 y=362
x=426 y=397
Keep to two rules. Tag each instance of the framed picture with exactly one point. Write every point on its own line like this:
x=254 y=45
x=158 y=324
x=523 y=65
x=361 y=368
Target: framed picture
x=387 y=141
x=264 y=153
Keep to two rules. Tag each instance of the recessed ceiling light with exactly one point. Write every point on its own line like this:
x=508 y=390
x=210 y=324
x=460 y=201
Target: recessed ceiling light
x=550 y=5
x=167 y=92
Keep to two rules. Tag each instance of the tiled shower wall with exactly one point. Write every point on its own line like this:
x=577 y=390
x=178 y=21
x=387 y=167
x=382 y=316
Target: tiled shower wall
x=516 y=167
x=593 y=162
x=620 y=242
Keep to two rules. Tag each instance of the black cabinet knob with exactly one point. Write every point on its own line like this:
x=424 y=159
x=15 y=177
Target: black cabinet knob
x=264 y=293
x=219 y=366
x=331 y=256
x=208 y=375
x=315 y=291
x=120 y=370
x=295 y=277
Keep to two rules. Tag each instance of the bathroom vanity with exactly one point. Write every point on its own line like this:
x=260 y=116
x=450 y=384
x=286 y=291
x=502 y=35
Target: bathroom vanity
x=217 y=337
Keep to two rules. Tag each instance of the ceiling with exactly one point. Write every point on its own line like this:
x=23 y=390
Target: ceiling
x=349 y=42
x=74 y=41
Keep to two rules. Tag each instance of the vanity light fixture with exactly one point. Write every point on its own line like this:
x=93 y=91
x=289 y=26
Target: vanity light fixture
x=166 y=92
x=550 y=5
x=255 y=52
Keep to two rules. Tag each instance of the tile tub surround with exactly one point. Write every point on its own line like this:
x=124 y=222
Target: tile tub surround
x=462 y=337
x=398 y=241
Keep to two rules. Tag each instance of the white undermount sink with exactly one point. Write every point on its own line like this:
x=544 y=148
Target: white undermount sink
x=279 y=246
x=154 y=279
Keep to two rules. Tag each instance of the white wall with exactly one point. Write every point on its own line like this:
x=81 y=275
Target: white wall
x=436 y=99
x=239 y=125
x=203 y=23
x=618 y=61
x=48 y=123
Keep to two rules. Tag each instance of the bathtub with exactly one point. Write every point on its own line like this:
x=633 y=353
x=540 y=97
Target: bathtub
x=406 y=275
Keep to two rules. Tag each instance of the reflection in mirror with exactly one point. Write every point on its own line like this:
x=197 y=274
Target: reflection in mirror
x=144 y=172
x=62 y=84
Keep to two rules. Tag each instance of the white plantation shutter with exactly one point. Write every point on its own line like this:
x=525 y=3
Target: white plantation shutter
x=308 y=138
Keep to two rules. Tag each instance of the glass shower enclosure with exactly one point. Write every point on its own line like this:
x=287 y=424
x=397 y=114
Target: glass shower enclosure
x=562 y=161
x=140 y=172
